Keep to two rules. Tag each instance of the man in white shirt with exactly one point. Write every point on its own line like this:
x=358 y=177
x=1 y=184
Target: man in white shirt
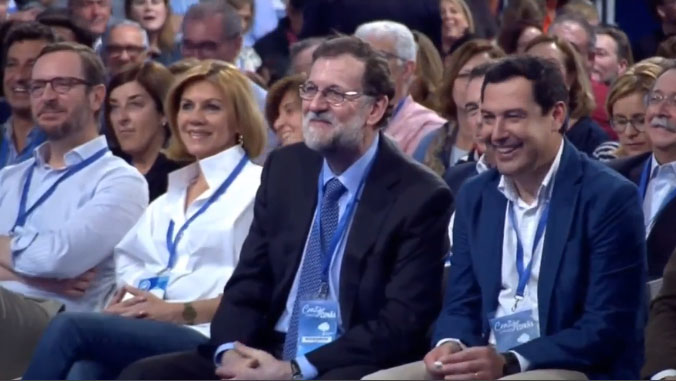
x=660 y=209
x=655 y=172
x=547 y=273
x=64 y=210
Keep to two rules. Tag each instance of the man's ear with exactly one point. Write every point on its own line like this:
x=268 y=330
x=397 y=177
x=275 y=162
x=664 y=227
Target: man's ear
x=378 y=110
x=559 y=114
x=624 y=65
x=96 y=96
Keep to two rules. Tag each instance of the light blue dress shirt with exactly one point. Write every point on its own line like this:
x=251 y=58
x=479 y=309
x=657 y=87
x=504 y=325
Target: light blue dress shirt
x=76 y=228
x=9 y=154
x=351 y=179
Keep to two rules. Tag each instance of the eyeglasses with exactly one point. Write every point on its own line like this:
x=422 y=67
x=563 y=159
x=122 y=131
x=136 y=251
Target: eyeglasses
x=61 y=85
x=139 y=3
x=656 y=99
x=117 y=50
x=335 y=97
x=390 y=56
x=620 y=124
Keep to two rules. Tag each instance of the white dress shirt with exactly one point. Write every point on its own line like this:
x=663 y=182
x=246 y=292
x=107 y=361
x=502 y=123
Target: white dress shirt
x=76 y=228
x=662 y=183
x=527 y=219
x=209 y=249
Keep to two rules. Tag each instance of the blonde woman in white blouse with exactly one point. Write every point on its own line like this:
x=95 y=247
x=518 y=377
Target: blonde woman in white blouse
x=173 y=265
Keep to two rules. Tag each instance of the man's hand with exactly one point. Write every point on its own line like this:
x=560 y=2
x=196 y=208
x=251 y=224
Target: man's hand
x=72 y=288
x=144 y=305
x=6 y=252
x=434 y=358
x=263 y=366
x=477 y=363
x=234 y=362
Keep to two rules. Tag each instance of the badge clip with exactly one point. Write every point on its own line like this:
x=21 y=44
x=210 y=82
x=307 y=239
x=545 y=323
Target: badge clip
x=517 y=299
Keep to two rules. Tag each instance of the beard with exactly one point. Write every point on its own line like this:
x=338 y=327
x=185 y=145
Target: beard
x=74 y=123
x=347 y=136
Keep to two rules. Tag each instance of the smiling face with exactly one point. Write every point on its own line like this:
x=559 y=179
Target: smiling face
x=523 y=137
x=21 y=56
x=92 y=15
x=328 y=127
x=151 y=14
x=289 y=123
x=454 y=23
x=661 y=117
x=205 y=120
x=460 y=91
x=135 y=117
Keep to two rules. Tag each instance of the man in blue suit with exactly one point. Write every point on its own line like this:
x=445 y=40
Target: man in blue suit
x=548 y=268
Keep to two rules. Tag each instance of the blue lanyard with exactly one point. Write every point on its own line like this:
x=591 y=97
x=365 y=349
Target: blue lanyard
x=172 y=243
x=525 y=273
x=341 y=229
x=643 y=186
x=23 y=212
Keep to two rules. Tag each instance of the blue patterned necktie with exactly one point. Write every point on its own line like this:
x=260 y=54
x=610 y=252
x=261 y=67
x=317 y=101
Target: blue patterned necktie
x=311 y=269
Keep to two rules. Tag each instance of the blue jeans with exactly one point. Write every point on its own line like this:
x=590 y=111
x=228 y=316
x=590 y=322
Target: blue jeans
x=100 y=346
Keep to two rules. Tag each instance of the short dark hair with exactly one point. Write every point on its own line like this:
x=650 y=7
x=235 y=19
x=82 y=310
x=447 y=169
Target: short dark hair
x=480 y=71
x=25 y=31
x=578 y=19
x=60 y=17
x=549 y=87
x=231 y=21
x=621 y=40
x=376 y=81
x=92 y=68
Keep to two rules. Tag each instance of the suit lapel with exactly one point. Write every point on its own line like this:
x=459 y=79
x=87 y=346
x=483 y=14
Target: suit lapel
x=372 y=209
x=305 y=201
x=490 y=252
x=567 y=187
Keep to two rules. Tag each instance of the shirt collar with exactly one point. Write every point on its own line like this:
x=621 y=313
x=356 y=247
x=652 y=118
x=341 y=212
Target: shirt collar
x=216 y=169
x=656 y=168
x=481 y=165
x=508 y=188
x=352 y=177
x=74 y=156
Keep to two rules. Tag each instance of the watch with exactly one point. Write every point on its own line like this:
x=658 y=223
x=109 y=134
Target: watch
x=512 y=365
x=296 y=373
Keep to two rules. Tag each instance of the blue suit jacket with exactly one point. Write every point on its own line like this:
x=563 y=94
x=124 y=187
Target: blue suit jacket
x=591 y=296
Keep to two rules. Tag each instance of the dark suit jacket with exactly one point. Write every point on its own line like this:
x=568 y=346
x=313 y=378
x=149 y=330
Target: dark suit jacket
x=390 y=283
x=457 y=175
x=592 y=277
x=662 y=239
x=586 y=135
x=324 y=17
x=660 y=335
x=273 y=48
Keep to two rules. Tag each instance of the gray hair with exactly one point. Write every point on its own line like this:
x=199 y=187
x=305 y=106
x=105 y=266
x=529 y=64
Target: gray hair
x=404 y=42
x=118 y=23
x=231 y=21
x=297 y=47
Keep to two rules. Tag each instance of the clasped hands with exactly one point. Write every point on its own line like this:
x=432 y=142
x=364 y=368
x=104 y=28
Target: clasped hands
x=246 y=363
x=450 y=362
x=144 y=305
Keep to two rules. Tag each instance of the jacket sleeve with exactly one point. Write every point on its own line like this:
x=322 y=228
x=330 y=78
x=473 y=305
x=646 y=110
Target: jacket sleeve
x=460 y=316
x=412 y=294
x=660 y=334
x=612 y=315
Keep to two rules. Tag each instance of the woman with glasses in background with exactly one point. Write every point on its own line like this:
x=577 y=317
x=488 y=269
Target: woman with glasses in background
x=626 y=107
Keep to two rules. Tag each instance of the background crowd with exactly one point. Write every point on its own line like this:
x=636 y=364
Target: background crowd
x=167 y=178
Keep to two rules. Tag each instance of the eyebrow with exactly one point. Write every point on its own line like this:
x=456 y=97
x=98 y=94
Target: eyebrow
x=135 y=96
